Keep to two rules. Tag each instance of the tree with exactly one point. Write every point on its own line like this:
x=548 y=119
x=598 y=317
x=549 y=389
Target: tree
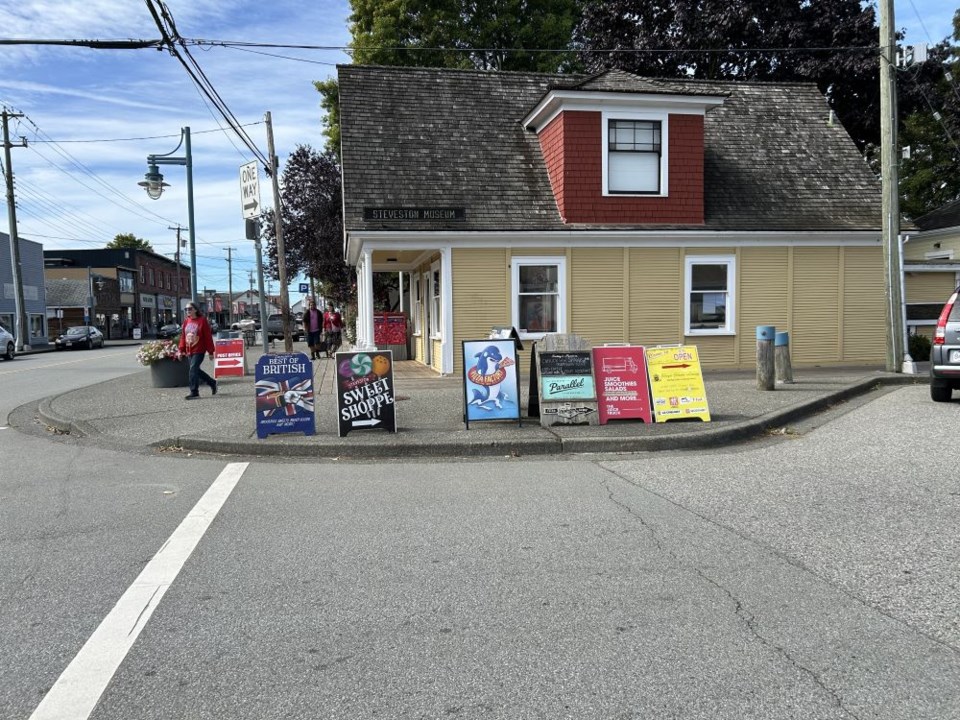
x=930 y=176
x=312 y=222
x=129 y=241
x=745 y=40
x=527 y=35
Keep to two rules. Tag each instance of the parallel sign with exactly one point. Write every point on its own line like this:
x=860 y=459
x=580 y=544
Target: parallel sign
x=250 y=190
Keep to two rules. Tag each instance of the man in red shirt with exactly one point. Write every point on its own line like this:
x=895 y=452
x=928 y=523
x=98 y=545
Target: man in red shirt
x=196 y=340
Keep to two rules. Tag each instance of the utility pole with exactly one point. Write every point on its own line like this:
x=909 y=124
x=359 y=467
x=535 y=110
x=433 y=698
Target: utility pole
x=230 y=284
x=278 y=229
x=22 y=329
x=889 y=178
x=177 y=311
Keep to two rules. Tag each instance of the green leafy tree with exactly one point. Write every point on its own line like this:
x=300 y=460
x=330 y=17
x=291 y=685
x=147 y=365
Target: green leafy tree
x=129 y=241
x=930 y=176
x=467 y=34
x=745 y=40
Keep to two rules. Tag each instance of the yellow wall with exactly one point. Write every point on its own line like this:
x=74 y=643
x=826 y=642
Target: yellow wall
x=830 y=299
x=929 y=287
x=917 y=249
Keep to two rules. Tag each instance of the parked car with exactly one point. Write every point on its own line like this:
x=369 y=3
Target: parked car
x=275 y=327
x=245 y=324
x=945 y=352
x=170 y=330
x=80 y=336
x=8 y=345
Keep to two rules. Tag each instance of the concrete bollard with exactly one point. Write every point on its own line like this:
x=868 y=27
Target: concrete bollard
x=765 y=361
x=781 y=358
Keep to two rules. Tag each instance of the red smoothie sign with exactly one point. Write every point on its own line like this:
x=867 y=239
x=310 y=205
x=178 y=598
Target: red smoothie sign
x=622 y=390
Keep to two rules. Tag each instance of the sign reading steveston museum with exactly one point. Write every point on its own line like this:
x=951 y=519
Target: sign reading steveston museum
x=414 y=214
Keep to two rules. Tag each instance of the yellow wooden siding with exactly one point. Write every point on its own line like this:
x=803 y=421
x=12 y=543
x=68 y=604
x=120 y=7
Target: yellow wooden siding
x=929 y=287
x=480 y=296
x=863 y=297
x=596 y=294
x=764 y=296
x=816 y=315
x=436 y=361
x=919 y=249
x=655 y=315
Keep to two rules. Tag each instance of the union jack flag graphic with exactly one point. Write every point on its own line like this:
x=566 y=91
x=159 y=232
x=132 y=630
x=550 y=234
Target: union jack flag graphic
x=281 y=396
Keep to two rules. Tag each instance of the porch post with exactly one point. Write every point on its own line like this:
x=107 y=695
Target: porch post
x=366 y=317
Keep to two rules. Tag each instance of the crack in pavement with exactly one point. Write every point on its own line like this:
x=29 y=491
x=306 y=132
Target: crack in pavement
x=747 y=619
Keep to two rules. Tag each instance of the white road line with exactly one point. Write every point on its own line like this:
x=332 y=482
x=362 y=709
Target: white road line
x=77 y=691
x=27 y=368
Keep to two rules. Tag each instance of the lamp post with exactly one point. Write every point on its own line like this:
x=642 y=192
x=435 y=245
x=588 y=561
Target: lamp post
x=153 y=183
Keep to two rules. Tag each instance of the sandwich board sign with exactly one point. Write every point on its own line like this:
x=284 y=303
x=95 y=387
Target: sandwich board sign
x=365 y=391
x=676 y=383
x=284 y=394
x=230 y=359
x=568 y=395
x=622 y=391
x=491 y=381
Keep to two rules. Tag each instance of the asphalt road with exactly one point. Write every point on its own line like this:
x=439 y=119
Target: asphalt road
x=813 y=575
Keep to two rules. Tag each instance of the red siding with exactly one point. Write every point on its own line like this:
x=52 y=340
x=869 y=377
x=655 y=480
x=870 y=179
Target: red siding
x=571 y=146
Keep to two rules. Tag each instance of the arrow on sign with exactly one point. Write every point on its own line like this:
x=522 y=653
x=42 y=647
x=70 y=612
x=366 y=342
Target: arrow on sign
x=224 y=361
x=681 y=365
x=365 y=423
x=252 y=205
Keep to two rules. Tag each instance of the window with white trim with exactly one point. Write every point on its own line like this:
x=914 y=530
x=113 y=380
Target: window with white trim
x=633 y=156
x=416 y=294
x=539 y=295
x=709 y=283
x=435 y=304
x=635 y=153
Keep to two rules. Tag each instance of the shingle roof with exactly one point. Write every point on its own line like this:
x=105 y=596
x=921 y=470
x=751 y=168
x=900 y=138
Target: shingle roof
x=943 y=217
x=66 y=293
x=424 y=137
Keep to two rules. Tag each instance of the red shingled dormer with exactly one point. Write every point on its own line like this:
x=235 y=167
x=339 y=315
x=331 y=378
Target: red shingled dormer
x=624 y=157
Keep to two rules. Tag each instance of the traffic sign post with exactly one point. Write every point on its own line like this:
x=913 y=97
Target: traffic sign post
x=250 y=190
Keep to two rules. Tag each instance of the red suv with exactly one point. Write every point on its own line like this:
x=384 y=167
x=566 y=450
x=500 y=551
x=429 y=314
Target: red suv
x=945 y=353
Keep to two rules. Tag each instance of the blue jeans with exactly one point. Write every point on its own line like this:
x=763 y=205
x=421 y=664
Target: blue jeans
x=196 y=374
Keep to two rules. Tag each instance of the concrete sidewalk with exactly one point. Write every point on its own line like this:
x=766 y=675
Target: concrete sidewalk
x=129 y=413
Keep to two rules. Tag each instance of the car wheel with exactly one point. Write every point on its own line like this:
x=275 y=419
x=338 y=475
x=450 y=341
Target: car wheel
x=940 y=392
x=89 y=344
x=9 y=353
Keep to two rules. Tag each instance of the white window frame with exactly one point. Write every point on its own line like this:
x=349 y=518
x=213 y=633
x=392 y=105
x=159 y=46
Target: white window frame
x=515 y=264
x=653 y=116
x=416 y=291
x=731 y=307
x=436 y=301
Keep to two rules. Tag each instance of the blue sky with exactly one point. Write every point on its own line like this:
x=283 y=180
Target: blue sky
x=107 y=110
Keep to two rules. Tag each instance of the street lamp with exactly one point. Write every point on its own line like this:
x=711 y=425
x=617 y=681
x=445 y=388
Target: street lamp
x=153 y=183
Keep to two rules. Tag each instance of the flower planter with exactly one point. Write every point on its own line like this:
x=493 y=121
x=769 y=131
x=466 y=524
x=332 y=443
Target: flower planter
x=167 y=373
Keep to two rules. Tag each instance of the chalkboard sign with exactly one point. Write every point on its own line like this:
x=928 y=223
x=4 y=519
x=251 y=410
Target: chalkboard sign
x=365 y=394
x=284 y=387
x=566 y=375
x=565 y=363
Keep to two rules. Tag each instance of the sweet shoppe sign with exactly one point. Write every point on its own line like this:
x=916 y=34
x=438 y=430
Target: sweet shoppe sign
x=365 y=391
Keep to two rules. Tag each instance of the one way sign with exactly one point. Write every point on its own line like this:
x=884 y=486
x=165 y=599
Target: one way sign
x=250 y=190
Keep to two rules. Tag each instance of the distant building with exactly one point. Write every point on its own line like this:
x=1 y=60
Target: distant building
x=34 y=295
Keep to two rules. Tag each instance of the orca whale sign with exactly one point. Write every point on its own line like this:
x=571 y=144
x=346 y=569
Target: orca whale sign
x=491 y=381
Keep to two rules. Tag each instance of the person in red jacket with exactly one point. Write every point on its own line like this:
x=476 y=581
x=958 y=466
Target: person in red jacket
x=196 y=340
x=332 y=327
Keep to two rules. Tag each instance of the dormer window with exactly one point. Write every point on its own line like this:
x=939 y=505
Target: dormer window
x=635 y=153
x=633 y=160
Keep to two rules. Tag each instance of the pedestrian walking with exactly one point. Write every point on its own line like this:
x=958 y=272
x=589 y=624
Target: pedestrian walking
x=312 y=328
x=332 y=329
x=196 y=340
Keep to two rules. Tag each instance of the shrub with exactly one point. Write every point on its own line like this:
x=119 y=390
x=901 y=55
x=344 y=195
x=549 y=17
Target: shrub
x=919 y=347
x=156 y=350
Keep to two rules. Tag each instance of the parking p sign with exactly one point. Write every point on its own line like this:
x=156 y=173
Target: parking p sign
x=304 y=288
